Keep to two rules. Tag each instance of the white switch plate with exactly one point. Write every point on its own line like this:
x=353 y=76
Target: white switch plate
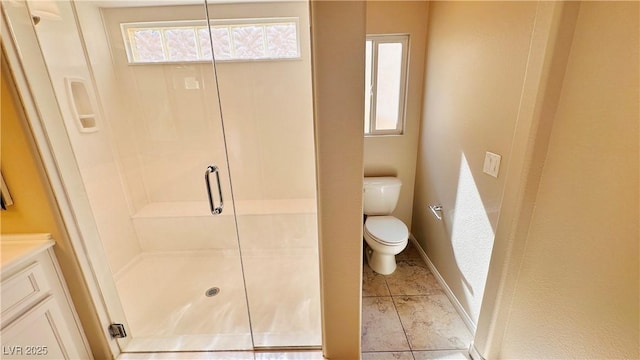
x=491 y=164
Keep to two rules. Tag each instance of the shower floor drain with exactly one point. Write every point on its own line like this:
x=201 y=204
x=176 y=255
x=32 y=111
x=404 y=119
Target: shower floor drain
x=212 y=292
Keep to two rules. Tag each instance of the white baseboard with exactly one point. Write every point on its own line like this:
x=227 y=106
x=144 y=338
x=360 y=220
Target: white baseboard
x=447 y=290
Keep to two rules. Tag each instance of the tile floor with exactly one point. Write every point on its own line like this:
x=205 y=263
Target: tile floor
x=407 y=316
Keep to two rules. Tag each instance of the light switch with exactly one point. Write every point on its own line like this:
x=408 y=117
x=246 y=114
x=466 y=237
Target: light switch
x=491 y=164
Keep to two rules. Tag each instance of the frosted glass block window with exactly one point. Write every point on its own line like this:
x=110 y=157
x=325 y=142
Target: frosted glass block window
x=204 y=42
x=147 y=45
x=221 y=42
x=248 y=42
x=233 y=40
x=181 y=44
x=385 y=84
x=282 y=40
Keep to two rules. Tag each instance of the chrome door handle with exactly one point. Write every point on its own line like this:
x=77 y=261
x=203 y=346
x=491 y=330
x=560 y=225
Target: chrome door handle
x=213 y=169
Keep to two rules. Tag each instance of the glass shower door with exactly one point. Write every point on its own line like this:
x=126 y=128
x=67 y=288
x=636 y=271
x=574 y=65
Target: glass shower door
x=263 y=67
x=190 y=268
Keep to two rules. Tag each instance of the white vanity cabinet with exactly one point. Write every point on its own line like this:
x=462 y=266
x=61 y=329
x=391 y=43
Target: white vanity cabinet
x=37 y=319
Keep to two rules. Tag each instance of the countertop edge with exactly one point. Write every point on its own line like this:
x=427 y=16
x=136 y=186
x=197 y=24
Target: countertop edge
x=21 y=248
x=26 y=237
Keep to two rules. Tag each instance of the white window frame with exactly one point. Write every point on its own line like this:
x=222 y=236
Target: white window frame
x=372 y=93
x=198 y=24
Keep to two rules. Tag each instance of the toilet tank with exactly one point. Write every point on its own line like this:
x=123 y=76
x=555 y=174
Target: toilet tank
x=380 y=195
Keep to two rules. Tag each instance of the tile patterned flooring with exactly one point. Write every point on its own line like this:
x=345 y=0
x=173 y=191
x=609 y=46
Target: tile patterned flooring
x=407 y=316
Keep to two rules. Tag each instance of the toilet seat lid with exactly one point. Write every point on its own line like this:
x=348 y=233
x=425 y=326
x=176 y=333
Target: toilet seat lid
x=386 y=229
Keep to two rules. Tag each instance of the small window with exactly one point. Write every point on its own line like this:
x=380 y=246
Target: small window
x=233 y=40
x=385 y=84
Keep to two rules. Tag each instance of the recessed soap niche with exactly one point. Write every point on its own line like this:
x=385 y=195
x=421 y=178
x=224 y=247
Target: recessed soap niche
x=82 y=107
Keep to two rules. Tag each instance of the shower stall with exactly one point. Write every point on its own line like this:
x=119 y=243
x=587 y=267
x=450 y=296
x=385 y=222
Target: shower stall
x=190 y=126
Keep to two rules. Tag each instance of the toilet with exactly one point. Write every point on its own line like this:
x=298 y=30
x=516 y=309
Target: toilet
x=385 y=235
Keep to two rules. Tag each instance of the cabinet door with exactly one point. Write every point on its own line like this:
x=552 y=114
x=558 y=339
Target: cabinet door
x=40 y=333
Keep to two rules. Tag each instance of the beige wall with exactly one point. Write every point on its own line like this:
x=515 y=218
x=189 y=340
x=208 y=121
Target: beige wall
x=338 y=39
x=476 y=59
x=396 y=155
x=552 y=36
x=34 y=208
x=577 y=291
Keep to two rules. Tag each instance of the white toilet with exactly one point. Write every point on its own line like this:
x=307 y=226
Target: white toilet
x=385 y=235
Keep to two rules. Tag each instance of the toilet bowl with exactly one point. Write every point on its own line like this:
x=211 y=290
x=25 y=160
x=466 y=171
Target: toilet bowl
x=385 y=235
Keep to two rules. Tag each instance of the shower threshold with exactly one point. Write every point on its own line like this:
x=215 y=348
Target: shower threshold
x=228 y=355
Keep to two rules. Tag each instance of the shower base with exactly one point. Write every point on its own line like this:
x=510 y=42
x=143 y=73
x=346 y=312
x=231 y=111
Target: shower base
x=170 y=311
